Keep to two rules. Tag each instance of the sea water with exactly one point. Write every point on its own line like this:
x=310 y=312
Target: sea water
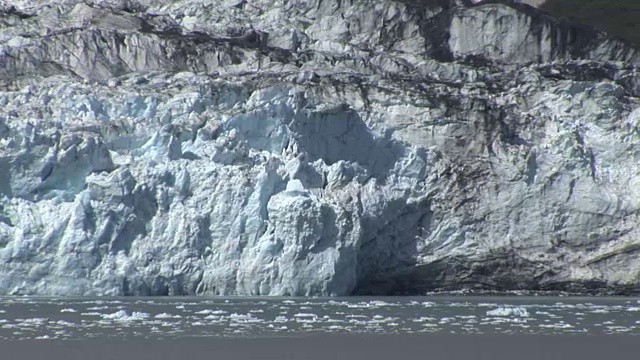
x=167 y=318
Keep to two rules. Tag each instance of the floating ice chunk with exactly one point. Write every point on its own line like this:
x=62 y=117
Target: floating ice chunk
x=460 y=304
x=559 y=325
x=356 y=316
x=210 y=312
x=306 y=318
x=240 y=316
x=509 y=311
x=487 y=304
x=36 y=321
x=333 y=302
x=243 y=318
x=381 y=303
x=619 y=328
x=92 y=313
x=305 y=315
x=383 y=320
x=361 y=305
x=121 y=315
x=167 y=316
x=466 y=316
x=445 y=320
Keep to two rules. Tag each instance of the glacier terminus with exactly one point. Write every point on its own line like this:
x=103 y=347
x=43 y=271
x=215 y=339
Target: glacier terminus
x=314 y=148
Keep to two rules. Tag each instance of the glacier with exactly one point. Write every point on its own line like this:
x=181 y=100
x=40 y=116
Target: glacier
x=314 y=148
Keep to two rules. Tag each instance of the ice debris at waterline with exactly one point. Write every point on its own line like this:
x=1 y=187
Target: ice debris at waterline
x=509 y=311
x=329 y=148
x=178 y=317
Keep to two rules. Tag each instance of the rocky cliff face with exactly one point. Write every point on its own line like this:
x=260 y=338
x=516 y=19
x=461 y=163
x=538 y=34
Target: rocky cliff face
x=314 y=148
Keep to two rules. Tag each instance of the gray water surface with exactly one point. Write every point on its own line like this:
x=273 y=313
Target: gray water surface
x=193 y=317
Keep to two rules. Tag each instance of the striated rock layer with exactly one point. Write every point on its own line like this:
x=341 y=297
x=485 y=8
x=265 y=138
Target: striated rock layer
x=318 y=147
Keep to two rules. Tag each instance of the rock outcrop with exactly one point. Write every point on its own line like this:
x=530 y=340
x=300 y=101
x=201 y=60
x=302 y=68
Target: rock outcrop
x=314 y=148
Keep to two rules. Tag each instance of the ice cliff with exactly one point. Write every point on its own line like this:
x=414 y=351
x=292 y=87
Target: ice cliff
x=314 y=147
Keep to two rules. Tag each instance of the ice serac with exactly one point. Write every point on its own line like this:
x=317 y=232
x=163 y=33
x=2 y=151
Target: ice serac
x=314 y=148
